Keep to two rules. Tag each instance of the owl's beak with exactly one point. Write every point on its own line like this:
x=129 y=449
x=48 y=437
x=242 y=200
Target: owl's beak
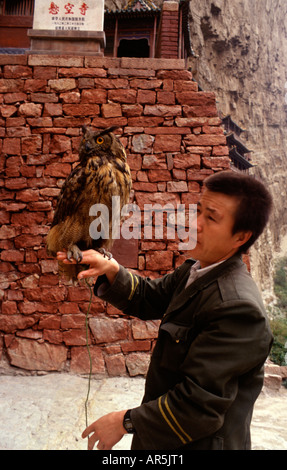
x=88 y=146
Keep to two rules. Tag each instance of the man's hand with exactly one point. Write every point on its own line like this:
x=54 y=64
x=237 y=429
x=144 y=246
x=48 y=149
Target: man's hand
x=107 y=430
x=98 y=264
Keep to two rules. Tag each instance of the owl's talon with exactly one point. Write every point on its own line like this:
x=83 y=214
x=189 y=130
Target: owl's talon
x=75 y=253
x=106 y=254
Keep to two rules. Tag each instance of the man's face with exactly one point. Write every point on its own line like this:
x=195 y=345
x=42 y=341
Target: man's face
x=215 y=221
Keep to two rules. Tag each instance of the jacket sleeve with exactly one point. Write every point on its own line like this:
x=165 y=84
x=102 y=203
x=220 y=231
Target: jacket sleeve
x=234 y=341
x=141 y=297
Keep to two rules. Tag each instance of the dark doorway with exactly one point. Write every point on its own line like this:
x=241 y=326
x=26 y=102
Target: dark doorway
x=133 y=48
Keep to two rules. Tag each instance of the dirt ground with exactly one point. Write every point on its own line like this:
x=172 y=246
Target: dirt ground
x=48 y=412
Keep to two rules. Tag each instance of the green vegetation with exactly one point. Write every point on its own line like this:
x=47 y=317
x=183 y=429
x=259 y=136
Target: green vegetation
x=279 y=322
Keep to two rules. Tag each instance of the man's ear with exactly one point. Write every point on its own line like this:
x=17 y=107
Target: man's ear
x=242 y=237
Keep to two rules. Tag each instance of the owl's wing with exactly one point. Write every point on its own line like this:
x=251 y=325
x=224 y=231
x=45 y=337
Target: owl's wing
x=71 y=195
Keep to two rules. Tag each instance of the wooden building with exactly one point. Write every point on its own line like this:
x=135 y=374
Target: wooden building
x=139 y=29
x=238 y=152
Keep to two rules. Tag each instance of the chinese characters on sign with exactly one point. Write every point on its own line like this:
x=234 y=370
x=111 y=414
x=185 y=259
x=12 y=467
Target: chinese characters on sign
x=64 y=15
x=61 y=22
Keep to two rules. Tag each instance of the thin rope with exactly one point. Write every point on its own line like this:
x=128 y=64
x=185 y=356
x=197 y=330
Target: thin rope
x=89 y=352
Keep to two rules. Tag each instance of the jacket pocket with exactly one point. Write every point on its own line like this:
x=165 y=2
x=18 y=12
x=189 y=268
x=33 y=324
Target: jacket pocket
x=176 y=340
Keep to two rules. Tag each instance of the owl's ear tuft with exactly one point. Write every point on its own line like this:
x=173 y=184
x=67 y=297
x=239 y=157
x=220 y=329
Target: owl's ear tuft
x=84 y=129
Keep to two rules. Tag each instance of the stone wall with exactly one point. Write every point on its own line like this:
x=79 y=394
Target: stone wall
x=173 y=138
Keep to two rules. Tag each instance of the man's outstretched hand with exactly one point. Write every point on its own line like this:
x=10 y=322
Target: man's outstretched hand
x=107 y=431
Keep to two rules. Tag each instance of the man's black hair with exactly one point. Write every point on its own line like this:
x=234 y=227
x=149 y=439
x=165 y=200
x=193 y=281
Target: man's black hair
x=255 y=201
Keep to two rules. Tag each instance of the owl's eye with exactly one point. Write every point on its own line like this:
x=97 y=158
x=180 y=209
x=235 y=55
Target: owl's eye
x=100 y=140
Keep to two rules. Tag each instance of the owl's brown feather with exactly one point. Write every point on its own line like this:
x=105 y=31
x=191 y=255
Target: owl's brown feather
x=103 y=172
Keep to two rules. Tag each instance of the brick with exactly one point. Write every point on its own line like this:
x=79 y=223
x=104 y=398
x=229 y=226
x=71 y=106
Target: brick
x=11 y=146
x=94 y=96
x=137 y=364
x=50 y=322
x=116 y=365
x=27 y=195
x=142 y=330
x=62 y=84
x=163 y=110
x=82 y=72
x=167 y=143
x=216 y=162
x=220 y=150
x=44 y=97
x=159 y=260
x=122 y=96
x=15 y=183
x=167 y=130
x=159 y=175
x=184 y=161
x=60 y=144
x=146 y=97
x=53 y=336
x=9 y=307
x=165 y=97
x=130 y=346
x=200 y=111
x=194 y=175
x=18 y=132
x=72 y=321
x=81 y=109
x=156 y=198
x=205 y=140
x=12 y=85
x=44 y=72
x=110 y=83
x=122 y=72
x=106 y=330
x=107 y=122
x=57 y=61
x=10 y=98
x=17 y=71
x=57 y=294
x=142 y=143
x=174 y=74
x=35 y=85
x=144 y=186
x=80 y=362
x=12 y=323
x=145 y=84
x=31 y=145
x=7 y=111
x=70 y=97
x=30 y=109
x=177 y=186
x=185 y=85
x=41 y=122
x=32 y=355
x=111 y=110
x=52 y=109
x=145 y=121
x=75 y=337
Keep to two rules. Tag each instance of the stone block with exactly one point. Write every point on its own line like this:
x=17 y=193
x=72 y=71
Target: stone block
x=116 y=365
x=108 y=330
x=80 y=362
x=32 y=355
x=137 y=363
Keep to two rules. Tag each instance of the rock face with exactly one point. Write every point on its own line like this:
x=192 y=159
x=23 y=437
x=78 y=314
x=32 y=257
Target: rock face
x=242 y=50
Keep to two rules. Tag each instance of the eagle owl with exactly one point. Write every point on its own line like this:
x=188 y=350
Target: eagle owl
x=102 y=173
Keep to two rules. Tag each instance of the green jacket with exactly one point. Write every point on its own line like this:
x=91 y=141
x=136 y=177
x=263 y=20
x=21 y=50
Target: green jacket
x=206 y=369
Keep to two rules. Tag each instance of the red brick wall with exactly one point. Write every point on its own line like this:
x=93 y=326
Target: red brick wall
x=174 y=139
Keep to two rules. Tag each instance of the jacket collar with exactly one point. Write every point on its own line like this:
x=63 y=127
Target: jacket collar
x=182 y=294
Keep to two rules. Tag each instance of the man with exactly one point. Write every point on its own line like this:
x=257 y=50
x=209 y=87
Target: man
x=206 y=370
